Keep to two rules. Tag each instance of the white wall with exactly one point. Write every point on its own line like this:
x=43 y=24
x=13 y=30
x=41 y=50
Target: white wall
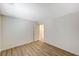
x=63 y=32
x=0 y=32
x=16 y=32
x=36 y=32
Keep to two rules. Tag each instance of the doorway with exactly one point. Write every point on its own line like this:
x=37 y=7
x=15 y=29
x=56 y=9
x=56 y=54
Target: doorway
x=41 y=32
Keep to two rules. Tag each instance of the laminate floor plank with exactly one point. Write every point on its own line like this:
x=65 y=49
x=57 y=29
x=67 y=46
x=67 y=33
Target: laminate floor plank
x=28 y=52
x=9 y=52
x=3 y=53
x=39 y=51
x=46 y=49
x=36 y=48
x=14 y=52
x=24 y=51
x=18 y=51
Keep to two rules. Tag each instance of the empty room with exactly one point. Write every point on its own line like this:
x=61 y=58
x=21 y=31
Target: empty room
x=39 y=29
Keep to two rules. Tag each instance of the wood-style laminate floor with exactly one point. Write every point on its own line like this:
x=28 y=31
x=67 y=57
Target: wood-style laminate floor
x=36 y=48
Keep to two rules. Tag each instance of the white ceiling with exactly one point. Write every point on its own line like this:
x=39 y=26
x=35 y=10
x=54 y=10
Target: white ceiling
x=38 y=11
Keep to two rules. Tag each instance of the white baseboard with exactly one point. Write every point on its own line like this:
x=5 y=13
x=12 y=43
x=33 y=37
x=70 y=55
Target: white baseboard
x=8 y=47
x=56 y=45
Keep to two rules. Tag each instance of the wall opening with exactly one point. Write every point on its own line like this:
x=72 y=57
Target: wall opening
x=41 y=32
